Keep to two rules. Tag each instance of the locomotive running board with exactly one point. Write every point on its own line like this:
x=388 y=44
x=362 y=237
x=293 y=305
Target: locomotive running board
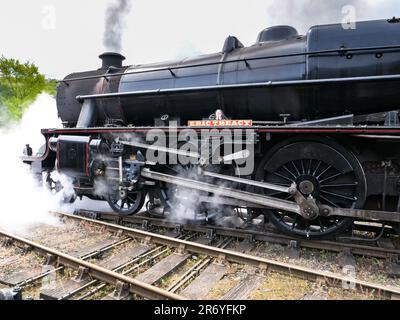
x=269 y=202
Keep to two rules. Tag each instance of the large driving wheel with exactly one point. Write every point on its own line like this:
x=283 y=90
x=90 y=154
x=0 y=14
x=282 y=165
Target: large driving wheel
x=321 y=168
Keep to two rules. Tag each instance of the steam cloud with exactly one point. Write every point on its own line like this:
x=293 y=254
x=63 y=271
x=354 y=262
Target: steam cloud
x=24 y=203
x=305 y=13
x=115 y=24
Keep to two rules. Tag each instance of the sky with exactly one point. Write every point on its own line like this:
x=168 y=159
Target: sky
x=63 y=36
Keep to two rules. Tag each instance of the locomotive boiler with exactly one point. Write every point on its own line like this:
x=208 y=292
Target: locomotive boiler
x=317 y=114
x=283 y=73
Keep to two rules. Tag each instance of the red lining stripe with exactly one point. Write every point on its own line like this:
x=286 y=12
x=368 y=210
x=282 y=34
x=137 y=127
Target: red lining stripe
x=269 y=130
x=87 y=159
x=58 y=156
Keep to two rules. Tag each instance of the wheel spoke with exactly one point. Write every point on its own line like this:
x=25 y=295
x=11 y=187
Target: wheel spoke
x=123 y=204
x=290 y=172
x=297 y=170
x=329 y=201
x=283 y=177
x=325 y=171
x=289 y=197
x=316 y=169
x=333 y=177
x=302 y=166
x=339 y=185
x=309 y=169
x=131 y=200
x=339 y=195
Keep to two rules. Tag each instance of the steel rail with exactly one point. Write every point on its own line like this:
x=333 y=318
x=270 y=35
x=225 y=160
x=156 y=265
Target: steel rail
x=162 y=250
x=196 y=269
x=120 y=268
x=105 y=275
x=137 y=266
x=85 y=257
x=240 y=258
x=355 y=248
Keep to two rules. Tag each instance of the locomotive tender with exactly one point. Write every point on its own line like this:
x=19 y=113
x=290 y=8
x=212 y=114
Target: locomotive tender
x=318 y=114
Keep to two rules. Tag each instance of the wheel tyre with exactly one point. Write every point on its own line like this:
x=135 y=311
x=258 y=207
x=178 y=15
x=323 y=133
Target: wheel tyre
x=131 y=210
x=345 y=223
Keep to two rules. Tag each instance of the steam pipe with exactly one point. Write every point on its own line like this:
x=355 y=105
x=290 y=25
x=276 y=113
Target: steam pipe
x=88 y=115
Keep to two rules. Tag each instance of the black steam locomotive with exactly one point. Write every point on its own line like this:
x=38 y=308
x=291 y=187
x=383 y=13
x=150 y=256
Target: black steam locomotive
x=317 y=115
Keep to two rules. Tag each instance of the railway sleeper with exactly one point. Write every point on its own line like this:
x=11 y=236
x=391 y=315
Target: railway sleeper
x=393 y=269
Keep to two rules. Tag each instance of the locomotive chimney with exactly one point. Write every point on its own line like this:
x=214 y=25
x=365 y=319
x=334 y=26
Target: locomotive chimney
x=111 y=59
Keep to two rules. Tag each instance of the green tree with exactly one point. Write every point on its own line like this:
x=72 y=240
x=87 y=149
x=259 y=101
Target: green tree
x=51 y=87
x=20 y=84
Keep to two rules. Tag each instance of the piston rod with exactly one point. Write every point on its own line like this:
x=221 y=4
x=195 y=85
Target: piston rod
x=305 y=207
x=223 y=191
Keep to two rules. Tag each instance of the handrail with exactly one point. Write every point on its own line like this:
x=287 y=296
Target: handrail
x=341 y=52
x=268 y=84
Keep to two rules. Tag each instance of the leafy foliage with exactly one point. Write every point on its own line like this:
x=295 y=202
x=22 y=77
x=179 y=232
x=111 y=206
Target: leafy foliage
x=51 y=87
x=20 y=84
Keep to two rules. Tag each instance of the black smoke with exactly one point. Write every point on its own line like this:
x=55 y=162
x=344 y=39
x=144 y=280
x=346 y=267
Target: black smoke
x=115 y=24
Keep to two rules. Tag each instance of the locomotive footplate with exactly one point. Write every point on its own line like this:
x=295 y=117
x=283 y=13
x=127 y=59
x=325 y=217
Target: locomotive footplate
x=306 y=207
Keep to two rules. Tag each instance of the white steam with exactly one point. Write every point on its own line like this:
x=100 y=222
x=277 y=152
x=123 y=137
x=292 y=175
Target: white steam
x=303 y=14
x=190 y=204
x=23 y=202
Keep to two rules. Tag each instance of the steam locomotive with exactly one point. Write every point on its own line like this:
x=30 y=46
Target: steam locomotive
x=316 y=115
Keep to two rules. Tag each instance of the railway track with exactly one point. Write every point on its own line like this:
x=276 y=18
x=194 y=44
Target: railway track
x=147 y=273
x=379 y=248
x=97 y=272
x=209 y=267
